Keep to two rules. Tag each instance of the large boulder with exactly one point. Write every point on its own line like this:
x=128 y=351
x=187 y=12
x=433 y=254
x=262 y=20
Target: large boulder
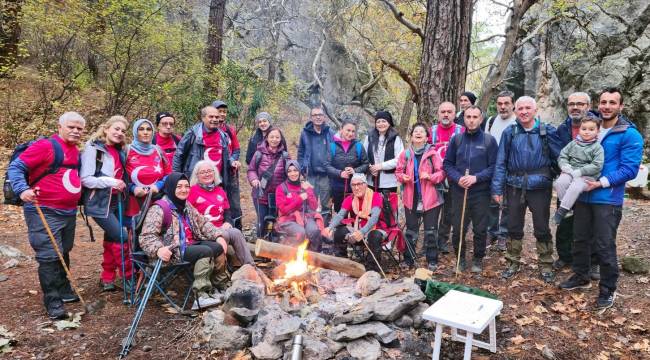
x=244 y=294
x=221 y=336
x=367 y=348
x=368 y=283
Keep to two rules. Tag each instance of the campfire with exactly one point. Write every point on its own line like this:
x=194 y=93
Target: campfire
x=295 y=280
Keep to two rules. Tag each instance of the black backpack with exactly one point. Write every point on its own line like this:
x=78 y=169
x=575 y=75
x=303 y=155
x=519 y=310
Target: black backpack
x=12 y=198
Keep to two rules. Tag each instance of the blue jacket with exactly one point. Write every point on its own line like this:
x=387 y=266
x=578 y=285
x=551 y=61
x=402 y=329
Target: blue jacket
x=523 y=152
x=563 y=135
x=313 y=149
x=623 y=146
x=476 y=152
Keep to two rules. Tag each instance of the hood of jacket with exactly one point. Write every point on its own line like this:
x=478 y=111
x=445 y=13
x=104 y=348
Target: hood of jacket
x=309 y=127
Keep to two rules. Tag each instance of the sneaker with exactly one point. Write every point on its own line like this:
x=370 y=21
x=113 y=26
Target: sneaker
x=110 y=286
x=575 y=282
x=204 y=300
x=55 y=310
x=501 y=244
x=69 y=298
x=560 y=264
x=605 y=299
x=432 y=266
x=595 y=272
x=560 y=213
x=477 y=266
x=511 y=271
x=547 y=276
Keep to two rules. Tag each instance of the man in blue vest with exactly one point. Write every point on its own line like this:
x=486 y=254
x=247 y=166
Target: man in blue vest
x=598 y=211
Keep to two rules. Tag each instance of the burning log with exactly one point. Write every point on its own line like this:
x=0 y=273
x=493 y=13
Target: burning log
x=286 y=253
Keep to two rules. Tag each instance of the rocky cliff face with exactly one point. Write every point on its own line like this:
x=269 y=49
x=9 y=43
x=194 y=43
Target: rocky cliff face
x=608 y=46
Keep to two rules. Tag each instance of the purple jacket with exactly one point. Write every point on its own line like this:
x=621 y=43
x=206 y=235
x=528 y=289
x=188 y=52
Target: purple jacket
x=263 y=159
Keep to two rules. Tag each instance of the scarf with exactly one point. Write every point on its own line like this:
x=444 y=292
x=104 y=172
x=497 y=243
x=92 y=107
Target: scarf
x=582 y=141
x=207 y=187
x=363 y=210
x=137 y=145
x=170 y=190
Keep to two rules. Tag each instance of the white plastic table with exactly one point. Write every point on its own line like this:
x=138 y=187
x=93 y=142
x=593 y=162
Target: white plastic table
x=468 y=312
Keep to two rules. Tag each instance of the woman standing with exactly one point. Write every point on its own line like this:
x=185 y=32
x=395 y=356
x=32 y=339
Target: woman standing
x=102 y=174
x=189 y=237
x=146 y=166
x=419 y=169
x=265 y=172
x=346 y=157
x=383 y=144
x=298 y=217
x=263 y=124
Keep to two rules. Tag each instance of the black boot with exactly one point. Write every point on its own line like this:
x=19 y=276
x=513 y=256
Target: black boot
x=49 y=277
x=65 y=291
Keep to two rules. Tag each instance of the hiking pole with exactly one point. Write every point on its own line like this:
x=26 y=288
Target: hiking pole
x=128 y=340
x=462 y=227
x=60 y=255
x=125 y=301
x=373 y=255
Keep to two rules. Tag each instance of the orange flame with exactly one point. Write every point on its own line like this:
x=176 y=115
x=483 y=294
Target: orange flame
x=299 y=265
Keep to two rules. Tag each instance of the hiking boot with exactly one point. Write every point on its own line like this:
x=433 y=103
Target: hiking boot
x=477 y=266
x=547 y=276
x=204 y=300
x=501 y=244
x=595 y=272
x=444 y=249
x=107 y=286
x=575 y=282
x=55 y=310
x=560 y=213
x=462 y=265
x=560 y=264
x=432 y=266
x=511 y=271
x=605 y=299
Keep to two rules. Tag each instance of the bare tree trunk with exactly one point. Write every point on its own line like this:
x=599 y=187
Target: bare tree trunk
x=445 y=53
x=215 y=33
x=405 y=119
x=510 y=45
x=9 y=34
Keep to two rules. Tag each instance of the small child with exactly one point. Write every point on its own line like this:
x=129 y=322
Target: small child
x=582 y=159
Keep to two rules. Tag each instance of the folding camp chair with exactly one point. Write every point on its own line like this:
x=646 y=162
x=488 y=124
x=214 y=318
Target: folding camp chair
x=270 y=219
x=393 y=245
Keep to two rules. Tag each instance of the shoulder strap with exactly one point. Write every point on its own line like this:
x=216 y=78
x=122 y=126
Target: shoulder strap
x=176 y=139
x=56 y=163
x=358 y=147
x=167 y=214
x=257 y=157
x=434 y=133
x=542 y=134
x=333 y=149
x=457 y=129
x=457 y=140
x=490 y=122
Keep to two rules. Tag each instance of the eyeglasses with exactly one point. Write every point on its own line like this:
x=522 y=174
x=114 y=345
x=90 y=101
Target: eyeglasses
x=317 y=115
x=206 y=172
x=576 y=104
x=357 y=184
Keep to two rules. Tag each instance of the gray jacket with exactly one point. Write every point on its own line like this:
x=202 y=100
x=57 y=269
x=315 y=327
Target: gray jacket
x=190 y=149
x=98 y=184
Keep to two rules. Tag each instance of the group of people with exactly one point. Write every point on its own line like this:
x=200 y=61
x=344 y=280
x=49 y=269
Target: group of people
x=339 y=190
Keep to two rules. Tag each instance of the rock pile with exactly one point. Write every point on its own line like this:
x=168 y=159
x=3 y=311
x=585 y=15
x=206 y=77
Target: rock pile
x=354 y=316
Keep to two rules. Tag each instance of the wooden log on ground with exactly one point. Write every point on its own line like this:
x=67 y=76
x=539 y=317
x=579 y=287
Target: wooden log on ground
x=286 y=253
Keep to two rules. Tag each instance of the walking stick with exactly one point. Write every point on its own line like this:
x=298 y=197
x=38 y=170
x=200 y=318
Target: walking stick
x=119 y=214
x=373 y=257
x=60 y=255
x=462 y=227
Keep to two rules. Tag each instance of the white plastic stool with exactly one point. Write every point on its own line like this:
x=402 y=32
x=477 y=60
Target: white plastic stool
x=468 y=312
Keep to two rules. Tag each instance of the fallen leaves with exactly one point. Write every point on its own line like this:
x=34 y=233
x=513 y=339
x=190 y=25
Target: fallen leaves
x=527 y=320
x=518 y=340
x=540 y=309
x=643 y=345
x=69 y=324
x=619 y=320
x=6 y=340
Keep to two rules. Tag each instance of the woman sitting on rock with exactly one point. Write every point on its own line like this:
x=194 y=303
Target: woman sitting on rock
x=297 y=210
x=174 y=231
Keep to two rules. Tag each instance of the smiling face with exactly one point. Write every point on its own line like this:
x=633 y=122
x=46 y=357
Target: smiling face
x=274 y=138
x=358 y=187
x=222 y=114
x=115 y=133
x=206 y=174
x=166 y=126
x=348 y=132
x=610 y=105
x=577 y=106
x=382 y=125
x=182 y=189
x=263 y=124
x=71 y=131
x=293 y=174
x=418 y=135
x=526 y=111
x=588 y=130
x=317 y=116
x=210 y=118
x=145 y=133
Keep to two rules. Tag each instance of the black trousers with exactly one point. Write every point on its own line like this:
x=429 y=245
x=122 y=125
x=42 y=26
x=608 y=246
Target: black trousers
x=594 y=231
x=374 y=239
x=564 y=240
x=430 y=220
x=337 y=200
x=202 y=249
x=444 y=224
x=539 y=204
x=476 y=212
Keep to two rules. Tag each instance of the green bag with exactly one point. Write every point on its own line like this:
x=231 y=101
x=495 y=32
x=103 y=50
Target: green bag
x=436 y=289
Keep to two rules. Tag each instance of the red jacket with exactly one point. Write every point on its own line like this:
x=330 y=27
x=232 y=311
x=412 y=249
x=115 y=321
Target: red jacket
x=433 y=168
x=289 y=202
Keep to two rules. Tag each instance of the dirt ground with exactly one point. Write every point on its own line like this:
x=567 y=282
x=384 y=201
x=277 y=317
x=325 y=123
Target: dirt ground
x=535 y=315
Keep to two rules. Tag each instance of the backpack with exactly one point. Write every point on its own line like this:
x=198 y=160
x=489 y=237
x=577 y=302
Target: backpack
x=441 y=187
x=554 y=167
x=12 y=198
x=434 y=131
x=489 y=123
x=357 y=147
x=138 y=219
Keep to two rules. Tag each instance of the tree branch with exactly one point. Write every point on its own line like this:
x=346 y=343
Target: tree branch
x=489 y=38
x=400 y=17
x=533 y=33
x=406 y=77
